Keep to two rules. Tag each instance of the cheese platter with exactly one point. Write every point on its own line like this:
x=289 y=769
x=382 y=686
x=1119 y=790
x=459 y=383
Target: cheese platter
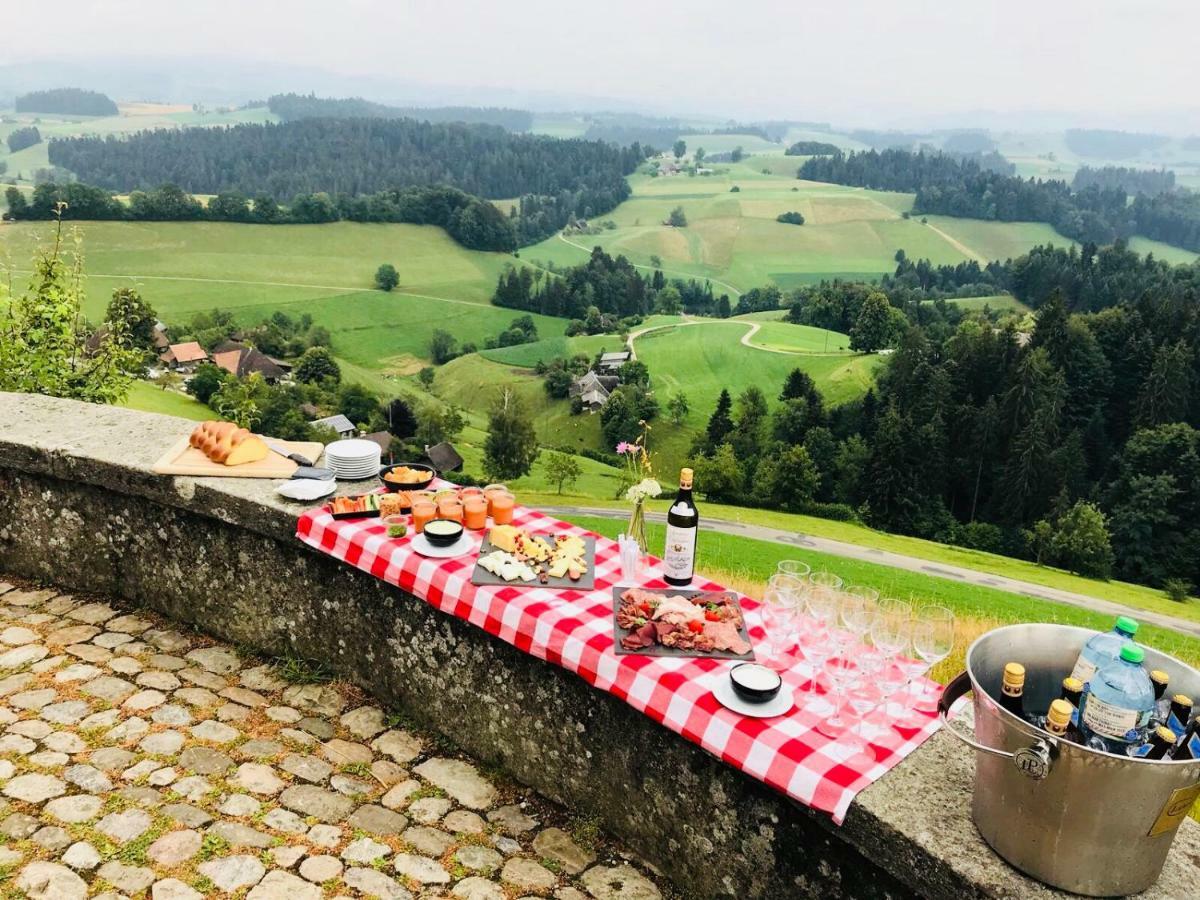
x=514 y=557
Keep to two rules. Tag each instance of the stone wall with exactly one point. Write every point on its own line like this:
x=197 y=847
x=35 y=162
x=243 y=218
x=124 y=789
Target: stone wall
x=79 y=508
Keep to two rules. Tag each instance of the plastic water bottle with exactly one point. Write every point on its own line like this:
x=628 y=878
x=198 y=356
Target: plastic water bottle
x=1118 y=703
x=1103 y=648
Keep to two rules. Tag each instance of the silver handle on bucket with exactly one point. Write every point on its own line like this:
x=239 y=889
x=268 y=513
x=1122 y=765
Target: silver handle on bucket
x=1033 y=761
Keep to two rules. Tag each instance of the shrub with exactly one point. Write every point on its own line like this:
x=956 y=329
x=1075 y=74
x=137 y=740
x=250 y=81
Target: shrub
x=1177 y=589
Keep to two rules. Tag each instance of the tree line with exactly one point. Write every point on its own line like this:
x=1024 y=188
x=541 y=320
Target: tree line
x=473 y=223
x=290 y=107
x=67 y=102
x=20 y=138
x=811 y=148
x=357 y=157
x=1098 y=213
x=1107 y=144
x=1132 y=181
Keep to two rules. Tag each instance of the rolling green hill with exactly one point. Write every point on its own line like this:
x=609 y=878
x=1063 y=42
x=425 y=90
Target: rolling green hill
x=734 y=238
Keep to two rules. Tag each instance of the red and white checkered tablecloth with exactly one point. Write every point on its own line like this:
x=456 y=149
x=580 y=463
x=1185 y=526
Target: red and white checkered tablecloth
x=574 y=629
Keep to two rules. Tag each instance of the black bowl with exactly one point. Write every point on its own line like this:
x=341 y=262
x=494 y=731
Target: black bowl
x=762 y=685
x=393 y=486
x=450 y=536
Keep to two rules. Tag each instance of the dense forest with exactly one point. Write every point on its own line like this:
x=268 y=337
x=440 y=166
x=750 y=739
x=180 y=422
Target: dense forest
x=66 y=102
x=605 y=284
x=811 y=148
x=20 y=138
x=1132 y=181
x=1112 y=144
x=1099 y=213
x=556 y=179
x=1076 y=445
x=474 y=223
x=290 y=107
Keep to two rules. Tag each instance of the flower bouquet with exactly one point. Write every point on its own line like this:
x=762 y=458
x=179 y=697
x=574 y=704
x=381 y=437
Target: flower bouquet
x=643 y=484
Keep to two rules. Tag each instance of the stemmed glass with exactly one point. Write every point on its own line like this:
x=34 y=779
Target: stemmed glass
x=793 y=567
x=854 y=614
x=932 y=640
x=778 y=618
x=820 y=602
x=891 y=633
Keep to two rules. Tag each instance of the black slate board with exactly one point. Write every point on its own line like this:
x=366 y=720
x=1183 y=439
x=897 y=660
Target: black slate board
x=659 y=649
x=588 y=581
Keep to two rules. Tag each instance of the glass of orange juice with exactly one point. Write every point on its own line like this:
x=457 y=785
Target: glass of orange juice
x=502 y=503
x=464 y=493
x=492 y=489
x=422 y=512
x=474 y=512
x=450 y=508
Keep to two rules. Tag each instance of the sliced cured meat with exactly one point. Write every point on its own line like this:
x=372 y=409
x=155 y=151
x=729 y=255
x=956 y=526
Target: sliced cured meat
x=724 y=636
x=679 y=610
x=640 y=639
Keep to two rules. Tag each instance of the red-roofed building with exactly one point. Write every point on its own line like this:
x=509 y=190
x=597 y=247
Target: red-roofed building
x=184 y=357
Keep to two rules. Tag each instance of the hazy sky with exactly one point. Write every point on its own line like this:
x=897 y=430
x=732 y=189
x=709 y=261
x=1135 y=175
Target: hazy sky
x=850 y=60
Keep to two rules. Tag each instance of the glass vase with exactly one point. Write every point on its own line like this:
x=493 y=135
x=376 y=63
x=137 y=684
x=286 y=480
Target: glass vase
x=637 y=525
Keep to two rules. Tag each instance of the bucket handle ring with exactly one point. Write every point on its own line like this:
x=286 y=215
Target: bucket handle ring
x=1033 y=761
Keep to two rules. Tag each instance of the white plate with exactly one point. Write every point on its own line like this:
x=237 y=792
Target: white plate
x=307 y=488
x=776 y=706
x=353 y=447
x=461 y=547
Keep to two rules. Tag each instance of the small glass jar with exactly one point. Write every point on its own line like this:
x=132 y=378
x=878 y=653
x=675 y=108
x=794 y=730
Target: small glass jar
x=397 y=525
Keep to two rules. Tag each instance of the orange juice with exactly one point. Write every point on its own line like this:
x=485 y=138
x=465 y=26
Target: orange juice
x=422 y=512
x=474 y=512
x=502 y=507
x=490 y=490
x=450 y=508
x=465 y=493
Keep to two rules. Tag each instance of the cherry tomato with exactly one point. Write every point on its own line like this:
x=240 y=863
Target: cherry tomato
x=696 y=626
x=712 y=615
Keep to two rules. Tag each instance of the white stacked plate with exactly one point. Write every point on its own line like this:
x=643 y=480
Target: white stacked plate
x=353 y=459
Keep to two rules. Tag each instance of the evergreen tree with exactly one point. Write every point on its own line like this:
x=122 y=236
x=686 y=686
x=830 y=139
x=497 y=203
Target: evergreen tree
x=720 y=423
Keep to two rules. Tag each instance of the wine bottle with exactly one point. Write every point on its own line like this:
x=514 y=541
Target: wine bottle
x=683 y=523
x=1012 y=689
x=1059 y=724
x=1162 y=741
x=1180 y=714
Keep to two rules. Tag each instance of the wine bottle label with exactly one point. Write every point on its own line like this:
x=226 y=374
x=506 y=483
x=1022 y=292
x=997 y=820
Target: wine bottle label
x=1111 y=721
x=679 y=560
x=1083 y=670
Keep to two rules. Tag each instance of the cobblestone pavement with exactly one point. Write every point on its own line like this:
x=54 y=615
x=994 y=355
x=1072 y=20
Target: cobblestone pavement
x=137 y=760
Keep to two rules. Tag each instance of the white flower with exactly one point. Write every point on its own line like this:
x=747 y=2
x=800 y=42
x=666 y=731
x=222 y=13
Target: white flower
x=647 y=487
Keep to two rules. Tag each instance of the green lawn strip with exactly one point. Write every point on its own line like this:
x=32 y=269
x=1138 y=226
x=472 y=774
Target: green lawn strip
x=748 y=558
x=151 y=398
x=1137 y=596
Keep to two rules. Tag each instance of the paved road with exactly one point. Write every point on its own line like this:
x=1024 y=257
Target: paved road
x=910 y=563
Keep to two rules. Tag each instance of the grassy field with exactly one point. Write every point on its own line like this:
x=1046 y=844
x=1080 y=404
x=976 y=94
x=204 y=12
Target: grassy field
x=733 y=238
x=748 y=563
x=151 y=398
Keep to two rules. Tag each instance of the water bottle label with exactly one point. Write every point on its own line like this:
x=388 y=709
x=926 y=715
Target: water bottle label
x=1083 y=670
x=1108 y=720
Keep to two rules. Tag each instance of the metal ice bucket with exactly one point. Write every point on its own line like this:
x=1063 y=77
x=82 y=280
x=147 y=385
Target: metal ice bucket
x=1082 y=820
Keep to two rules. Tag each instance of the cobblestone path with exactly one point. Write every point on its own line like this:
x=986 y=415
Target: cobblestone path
x=137 y=760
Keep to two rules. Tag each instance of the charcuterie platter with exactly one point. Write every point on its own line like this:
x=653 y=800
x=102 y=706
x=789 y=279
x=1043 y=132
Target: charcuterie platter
x=673 y=622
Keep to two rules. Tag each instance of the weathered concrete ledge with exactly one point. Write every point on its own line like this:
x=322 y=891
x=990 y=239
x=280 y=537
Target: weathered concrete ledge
x=80 y=508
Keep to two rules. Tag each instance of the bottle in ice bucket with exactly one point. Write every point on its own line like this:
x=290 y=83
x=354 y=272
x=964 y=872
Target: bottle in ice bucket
x=1103 y=648
x=1189 y=745
x=1118 y=703
x=1072 y=692
x=1162 y=739
x=1059 y=724
x=1180 y=714
x=1012 y=689
x=1162 y=703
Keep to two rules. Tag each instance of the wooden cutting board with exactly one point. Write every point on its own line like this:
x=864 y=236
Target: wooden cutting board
x=184 y=459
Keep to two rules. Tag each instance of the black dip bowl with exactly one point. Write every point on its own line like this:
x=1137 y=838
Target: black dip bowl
x=754 y=683
x=393 y=486
x=442 y=532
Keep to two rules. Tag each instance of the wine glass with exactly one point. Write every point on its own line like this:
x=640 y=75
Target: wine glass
x=820 y=602
x=778 y=619
x=891 y=633
x=793 y=567
x=851 y=624
x=932 y=639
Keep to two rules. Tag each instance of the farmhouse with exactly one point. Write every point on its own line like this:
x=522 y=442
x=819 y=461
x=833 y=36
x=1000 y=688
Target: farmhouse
x=242 y=360
x=594 y=390
x=339 y=423
x=184 y=357
x=610 y=363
